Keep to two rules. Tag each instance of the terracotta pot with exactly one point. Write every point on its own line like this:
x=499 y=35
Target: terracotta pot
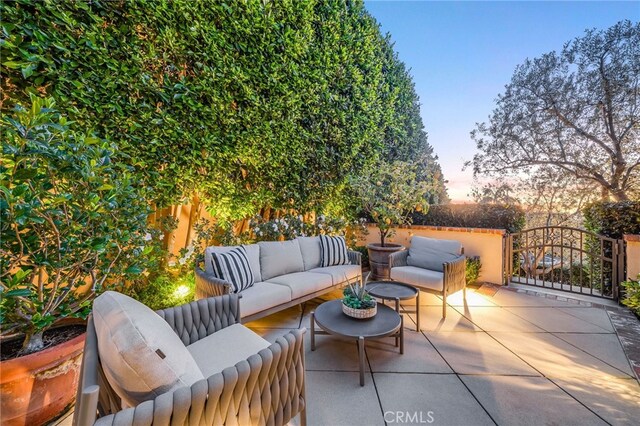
x=38 y=387
x=379 y=259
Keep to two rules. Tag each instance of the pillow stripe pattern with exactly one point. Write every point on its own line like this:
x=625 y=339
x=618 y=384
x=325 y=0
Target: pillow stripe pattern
x=233 y=266
x=333 y=251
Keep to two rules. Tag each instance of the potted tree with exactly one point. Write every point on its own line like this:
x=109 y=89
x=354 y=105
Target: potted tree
x=72 y=224
x=388 y=193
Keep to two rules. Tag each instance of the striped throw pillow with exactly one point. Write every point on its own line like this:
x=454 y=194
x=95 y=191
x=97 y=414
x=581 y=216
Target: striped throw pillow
x=333 y=251
x=233 y=266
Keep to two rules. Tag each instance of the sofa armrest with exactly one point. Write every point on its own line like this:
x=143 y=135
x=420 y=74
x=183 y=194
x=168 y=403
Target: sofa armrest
x=398 y=258
x=266 y=388
x=196 y=320
x=355 y=257
x=455 y=278
x=208 y=285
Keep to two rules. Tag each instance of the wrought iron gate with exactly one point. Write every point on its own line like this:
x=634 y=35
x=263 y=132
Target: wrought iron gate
x=564 y=258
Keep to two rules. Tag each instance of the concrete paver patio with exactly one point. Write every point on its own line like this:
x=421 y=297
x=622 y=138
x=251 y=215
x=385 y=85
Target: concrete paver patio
x=510 y=358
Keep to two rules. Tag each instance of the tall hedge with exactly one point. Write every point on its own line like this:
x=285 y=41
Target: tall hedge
x=508 y=217
x=613 y=219
x=250 y=104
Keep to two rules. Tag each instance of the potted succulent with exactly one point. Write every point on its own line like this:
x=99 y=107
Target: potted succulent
x=357 y=302
x=389 y=193
x=70 y=220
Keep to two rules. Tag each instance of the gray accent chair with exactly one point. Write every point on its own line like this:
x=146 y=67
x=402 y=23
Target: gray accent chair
x=287 y=273
x=267 y=388
x=432 y=265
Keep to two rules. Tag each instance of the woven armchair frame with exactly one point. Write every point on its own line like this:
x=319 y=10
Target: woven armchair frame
x=268 y=388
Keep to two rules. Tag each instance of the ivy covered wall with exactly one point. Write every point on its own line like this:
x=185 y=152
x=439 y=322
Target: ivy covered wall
x=251 y=105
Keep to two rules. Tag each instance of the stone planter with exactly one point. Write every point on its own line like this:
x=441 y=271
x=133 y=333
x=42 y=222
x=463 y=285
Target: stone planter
x=360 y=313
x=36 y=388
x=379 y=259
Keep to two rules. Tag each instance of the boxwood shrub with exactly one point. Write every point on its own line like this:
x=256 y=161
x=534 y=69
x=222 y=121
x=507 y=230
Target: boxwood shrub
x=510 y=218
x=613 y=219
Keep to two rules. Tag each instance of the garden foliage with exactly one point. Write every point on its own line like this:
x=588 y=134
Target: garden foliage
x=71 y=219
x=508 y=217
x=613 y=219
x=249 y=104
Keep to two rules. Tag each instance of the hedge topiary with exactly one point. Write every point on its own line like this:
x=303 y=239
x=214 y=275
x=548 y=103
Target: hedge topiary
x=510 y=218
x=613 y=219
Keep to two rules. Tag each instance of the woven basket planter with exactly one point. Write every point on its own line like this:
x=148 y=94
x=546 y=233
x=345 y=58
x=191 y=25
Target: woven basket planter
x=359 y=313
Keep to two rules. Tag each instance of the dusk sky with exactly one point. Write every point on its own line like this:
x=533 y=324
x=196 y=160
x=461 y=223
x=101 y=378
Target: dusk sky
x=462 y=54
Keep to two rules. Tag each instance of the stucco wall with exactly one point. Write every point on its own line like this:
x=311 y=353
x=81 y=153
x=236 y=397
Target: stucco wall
x=633 y=256
x=486 y=243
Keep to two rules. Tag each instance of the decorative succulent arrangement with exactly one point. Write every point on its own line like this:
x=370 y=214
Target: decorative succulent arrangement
x=356 y=296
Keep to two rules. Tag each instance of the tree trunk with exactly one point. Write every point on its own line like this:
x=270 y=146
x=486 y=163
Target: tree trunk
x=619 y=195
x=32 y=343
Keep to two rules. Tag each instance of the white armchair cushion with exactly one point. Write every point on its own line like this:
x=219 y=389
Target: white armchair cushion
x=431 y=253
x=419 y=277
x=310 y=249
x=225 y=348
x=253 y=254
x=280 y=258
x=141 y=355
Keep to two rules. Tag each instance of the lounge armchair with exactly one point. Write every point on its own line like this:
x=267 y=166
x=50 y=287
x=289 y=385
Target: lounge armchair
x=435 y=266
x=233 y=376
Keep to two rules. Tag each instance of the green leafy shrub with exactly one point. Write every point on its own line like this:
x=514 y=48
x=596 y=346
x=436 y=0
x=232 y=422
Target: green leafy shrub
x=166 y=290
x=249 y=104
x=72 y=219
x=613 y=219
x=496 y=216
x=473 y=267
x=632 y=294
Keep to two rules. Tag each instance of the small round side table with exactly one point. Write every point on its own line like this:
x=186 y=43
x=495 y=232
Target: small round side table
x=396 y=291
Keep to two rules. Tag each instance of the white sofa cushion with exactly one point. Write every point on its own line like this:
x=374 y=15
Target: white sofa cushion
x=225 y=348
x=341 y=273
x=419 y=277
x=333 y=251
x=310 y=249
x=140 y=353
x=431 y=253
x=253 y=254
x=280 y=258
x=303 y=283
x=261 y=296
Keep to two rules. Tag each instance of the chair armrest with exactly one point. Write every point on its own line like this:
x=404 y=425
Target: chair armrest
x=398 y=258
x=196 y=320
x=208 y=285
x=455 y=277
x=266 y=388
x=355 y=257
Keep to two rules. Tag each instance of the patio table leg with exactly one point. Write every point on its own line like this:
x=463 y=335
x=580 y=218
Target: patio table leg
x=418 y=311
x=398 y=311
x=312 y=335
x=401 y=334
x=361 y=358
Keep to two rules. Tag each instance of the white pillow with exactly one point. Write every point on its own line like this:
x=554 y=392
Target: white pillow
x=233 y=266
x=310 y=249
x=140 y=353
x=280 y=258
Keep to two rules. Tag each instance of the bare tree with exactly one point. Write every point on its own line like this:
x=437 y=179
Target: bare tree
x=575 y=114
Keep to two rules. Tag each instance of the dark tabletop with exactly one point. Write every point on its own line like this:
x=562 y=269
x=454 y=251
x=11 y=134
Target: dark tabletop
x=329 y=317
x=391 y=290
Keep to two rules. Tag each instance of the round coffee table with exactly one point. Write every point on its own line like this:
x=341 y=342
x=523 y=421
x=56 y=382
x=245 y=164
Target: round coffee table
x=396 y=291
x=331 y=320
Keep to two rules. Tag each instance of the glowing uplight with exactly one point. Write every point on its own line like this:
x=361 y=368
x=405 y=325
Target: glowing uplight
x=181 y=291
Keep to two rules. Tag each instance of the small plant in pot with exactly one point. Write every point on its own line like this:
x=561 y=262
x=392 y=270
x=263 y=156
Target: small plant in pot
x=357 y=302
x=388 y=194
x=71 y=223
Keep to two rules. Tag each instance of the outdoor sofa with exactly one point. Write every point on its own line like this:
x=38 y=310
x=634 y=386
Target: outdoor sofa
x=193 y=364
x=433 y=265
x=286 y=273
